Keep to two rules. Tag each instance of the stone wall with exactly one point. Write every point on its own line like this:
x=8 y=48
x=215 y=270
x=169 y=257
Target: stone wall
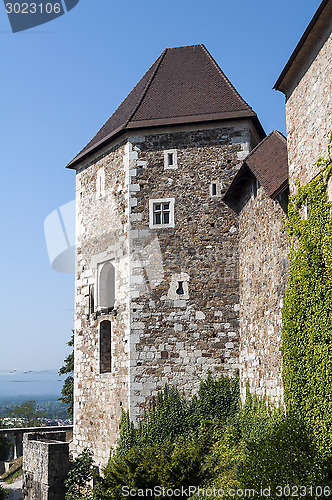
x=45 y=465
x=179 y=338
x=309 y=112
x=102 y=216
x=158 y=336
x=263 y=272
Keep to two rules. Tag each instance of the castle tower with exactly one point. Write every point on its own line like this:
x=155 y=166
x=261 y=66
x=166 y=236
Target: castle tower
x=157 y=292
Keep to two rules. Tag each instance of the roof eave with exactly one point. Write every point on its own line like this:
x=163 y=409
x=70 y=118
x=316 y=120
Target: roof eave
x=186 y=120
x=280 y=83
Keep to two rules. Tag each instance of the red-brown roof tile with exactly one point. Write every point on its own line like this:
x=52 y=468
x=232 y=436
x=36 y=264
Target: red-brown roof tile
x=268 y=161
x=184 y=85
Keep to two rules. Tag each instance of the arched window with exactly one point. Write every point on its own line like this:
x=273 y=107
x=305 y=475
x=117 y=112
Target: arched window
x=106 y=295
x=105 y=347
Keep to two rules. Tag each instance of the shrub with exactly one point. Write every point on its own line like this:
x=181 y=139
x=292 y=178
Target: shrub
x=4 y=447
x=169 y=415
x=79 y=475
x=285 y=455
x=3 y=493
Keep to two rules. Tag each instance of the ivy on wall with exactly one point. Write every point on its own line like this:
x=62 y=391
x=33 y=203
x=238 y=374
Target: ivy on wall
x=307 y=311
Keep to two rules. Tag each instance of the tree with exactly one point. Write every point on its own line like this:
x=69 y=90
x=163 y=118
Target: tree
x=4 y=447
x=27 y=414
x=67 y=393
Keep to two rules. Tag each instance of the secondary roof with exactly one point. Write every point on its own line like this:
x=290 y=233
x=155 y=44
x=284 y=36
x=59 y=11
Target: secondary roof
x=268 y=161
x=184 y=85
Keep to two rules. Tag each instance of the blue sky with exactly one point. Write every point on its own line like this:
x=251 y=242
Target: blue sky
x=59 y=84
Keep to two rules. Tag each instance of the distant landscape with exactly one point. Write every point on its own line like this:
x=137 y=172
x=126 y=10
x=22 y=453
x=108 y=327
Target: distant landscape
x=42 y=386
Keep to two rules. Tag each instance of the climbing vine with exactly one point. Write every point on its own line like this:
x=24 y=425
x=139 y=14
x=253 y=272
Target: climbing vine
x=307 y=311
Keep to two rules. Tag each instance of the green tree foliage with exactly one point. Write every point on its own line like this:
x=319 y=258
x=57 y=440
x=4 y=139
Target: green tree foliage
x=170 y=415
x=217 y=444
x=67 y=392
x=27 y=414
x=3 y=493
x=4 y=447
x=78 y=478
x=307 y=311
x=169 y=446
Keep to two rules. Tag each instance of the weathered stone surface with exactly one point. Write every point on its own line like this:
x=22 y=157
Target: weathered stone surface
x=263 y=252
x=158 y=336
x=45 y=465
x=309 y=112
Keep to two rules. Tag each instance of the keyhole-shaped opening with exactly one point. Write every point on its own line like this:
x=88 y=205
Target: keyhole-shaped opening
x=180 y=290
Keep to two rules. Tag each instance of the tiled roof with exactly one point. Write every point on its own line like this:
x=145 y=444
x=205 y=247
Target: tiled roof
x=268 y=162
x=302 y=52
x=184 y=85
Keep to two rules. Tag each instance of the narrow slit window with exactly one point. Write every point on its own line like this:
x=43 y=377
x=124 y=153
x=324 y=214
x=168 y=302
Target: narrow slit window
x=105 y=347
x=170 y=159
x=214 y=189
x=91 y=299
x=180 y=290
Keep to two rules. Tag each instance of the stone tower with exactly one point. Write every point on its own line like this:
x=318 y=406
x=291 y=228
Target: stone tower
x=157 y=291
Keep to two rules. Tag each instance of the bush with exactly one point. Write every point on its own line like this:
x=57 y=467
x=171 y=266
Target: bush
x=4 y=447
x=79 y=475
x=169 y=415
x=3 y=493
x=285 y=455
x=168 y=465
x=211 y=442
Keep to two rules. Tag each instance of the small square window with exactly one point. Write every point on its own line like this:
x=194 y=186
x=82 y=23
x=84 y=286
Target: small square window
x=215 y=189
x=170 y=159
x=161 y=213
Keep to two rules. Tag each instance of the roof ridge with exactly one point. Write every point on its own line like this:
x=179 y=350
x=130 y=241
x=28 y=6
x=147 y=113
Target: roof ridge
x=228 y=82
x=161 y=57
x=185 y=46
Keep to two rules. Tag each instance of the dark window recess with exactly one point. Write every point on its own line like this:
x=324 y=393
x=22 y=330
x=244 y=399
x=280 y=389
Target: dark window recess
x=283 y=199
x=91 y=299
x=214 y=189
x=255 y=187
x=180 y=290
x=170 y=159
x=105 y=346
x=161 y=213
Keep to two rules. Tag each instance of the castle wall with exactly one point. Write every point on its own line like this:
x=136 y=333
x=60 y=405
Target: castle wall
x=177 y=339
x=309 y=112
x=263 y=273
x=158 y=335
x=102 y=210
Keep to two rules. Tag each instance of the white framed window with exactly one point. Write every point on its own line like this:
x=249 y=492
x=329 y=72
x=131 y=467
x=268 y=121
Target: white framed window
x=170 y=159
x=161 y=213
x=106 y=286
x=215 y=189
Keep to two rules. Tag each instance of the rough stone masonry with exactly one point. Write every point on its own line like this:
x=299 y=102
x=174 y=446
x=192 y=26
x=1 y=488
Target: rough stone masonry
x=157 y=285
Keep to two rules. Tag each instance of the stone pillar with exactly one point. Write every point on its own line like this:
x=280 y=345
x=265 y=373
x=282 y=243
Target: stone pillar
x=45 y=465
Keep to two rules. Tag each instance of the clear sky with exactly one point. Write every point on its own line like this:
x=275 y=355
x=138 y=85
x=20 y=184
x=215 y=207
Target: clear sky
x=59 y=84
